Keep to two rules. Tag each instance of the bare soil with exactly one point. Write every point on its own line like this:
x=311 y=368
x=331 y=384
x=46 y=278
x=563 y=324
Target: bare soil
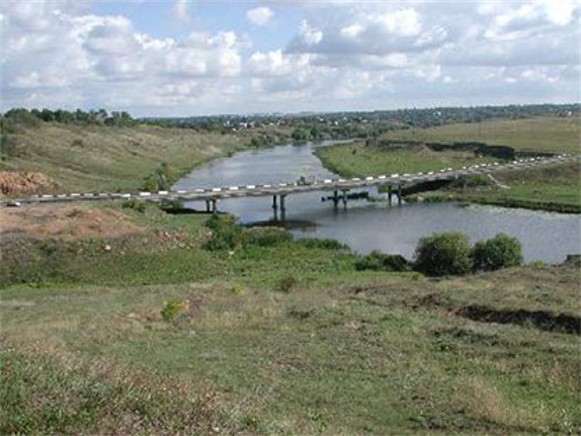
x=24 y=182
x=66 y=221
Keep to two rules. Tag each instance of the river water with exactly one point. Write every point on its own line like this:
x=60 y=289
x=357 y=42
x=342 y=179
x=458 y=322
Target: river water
x=367 y=226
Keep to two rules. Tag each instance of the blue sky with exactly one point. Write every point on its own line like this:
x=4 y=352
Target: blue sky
x=187 y=57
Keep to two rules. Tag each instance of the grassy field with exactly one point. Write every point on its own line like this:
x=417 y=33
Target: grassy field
x=357 y=160
x=546 y=134
x=553 y=188
x=276 y=338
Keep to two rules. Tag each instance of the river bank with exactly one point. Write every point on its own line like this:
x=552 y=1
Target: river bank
x=553 y=189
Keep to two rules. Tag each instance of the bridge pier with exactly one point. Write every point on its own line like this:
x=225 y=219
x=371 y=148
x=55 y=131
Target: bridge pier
x=274 y=203
x=399 y=195
x=214 y=205
x=208 y=209
x=283 y=207
x=344 y=198
x=335 y=199
x=389 y=194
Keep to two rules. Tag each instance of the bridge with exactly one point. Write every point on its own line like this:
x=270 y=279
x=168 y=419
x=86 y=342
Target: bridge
x=338 y=187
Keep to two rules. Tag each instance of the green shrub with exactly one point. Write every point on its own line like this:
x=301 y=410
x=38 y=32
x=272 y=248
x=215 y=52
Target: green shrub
x=443 y=254
x=265 y=236
x=377 y=261
x=135 y=204
x=226 y=234
x=171 y=310
x=499 y=252
x=171 y=204
x=323 y=243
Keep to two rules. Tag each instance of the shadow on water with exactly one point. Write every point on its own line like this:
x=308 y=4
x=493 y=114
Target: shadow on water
x=302 y=225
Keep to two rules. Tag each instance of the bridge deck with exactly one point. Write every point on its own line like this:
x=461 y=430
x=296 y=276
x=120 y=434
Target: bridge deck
x=283 y=189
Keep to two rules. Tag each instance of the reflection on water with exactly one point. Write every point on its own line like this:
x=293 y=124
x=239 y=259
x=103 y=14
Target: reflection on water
x=366 y=226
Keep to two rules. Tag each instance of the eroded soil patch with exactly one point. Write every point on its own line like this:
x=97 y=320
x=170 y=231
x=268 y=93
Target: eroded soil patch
x=67 y=221
x=540 y=319
x=24 y=182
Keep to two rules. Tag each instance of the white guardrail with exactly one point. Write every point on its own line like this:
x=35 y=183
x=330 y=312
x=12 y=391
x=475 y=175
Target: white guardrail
x=294 y=187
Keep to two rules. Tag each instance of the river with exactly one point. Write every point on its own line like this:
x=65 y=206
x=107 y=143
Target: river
x=367 y=226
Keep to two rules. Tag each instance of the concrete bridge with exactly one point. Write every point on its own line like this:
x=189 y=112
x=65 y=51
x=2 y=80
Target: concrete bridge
x=338 y=187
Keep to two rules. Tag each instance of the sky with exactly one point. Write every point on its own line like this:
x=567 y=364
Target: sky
x=190 y=57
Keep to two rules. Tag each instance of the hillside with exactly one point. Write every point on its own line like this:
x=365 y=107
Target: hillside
x=538 y=134
x=109 y=158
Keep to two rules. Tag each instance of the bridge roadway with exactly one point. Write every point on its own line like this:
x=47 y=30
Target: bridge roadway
x=212 y=195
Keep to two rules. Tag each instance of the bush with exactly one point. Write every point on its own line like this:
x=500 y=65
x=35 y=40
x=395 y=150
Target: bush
x=323 y=243
x=377 y=261
x=135 y=204
x=226 y=234
x=266 y=237
x=173 y=308
x=443 y=254
x=499 y=252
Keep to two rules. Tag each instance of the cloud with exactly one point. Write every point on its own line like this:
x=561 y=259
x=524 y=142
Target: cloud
x=260 y=16
x=340 y=55
x=180 y=11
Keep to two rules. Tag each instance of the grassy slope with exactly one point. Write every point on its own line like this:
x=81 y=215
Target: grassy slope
x=113 y=158
x=550 y=134
x=344 y=351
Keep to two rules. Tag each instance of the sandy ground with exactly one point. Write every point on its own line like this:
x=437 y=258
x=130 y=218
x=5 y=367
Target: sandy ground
x=65 y=221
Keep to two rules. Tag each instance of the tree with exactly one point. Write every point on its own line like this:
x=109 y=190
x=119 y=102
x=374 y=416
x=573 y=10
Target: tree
x=502 y=251
x=443 y=254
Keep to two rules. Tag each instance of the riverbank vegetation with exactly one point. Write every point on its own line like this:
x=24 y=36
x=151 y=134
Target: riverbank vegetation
x=554 y=188
x=153 y=330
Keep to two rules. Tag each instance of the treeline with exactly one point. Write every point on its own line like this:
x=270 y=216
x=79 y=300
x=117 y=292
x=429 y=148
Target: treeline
x=92 y=117
x=351 y=122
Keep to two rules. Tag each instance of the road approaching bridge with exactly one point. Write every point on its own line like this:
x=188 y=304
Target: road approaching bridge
x=338 y=186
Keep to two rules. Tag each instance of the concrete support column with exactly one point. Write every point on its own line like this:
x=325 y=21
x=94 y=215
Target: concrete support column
x=344 y=199
x=399 y=195
x=390 y=194
x=283 y=207
x=208 y=209
x=335 y=198
x=274 y=203
x=214 y=205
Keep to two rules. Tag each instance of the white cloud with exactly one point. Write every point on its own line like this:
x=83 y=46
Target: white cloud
x=404 y=22
x=353 y=55
x=180 y=11
x=260 y=16
x=310 y=35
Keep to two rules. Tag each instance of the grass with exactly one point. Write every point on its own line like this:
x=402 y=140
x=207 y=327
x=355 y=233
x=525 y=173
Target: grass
x=357 y=160
x=554 y=188
x=103 y=158
x=334 y=350
x=536 y=134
